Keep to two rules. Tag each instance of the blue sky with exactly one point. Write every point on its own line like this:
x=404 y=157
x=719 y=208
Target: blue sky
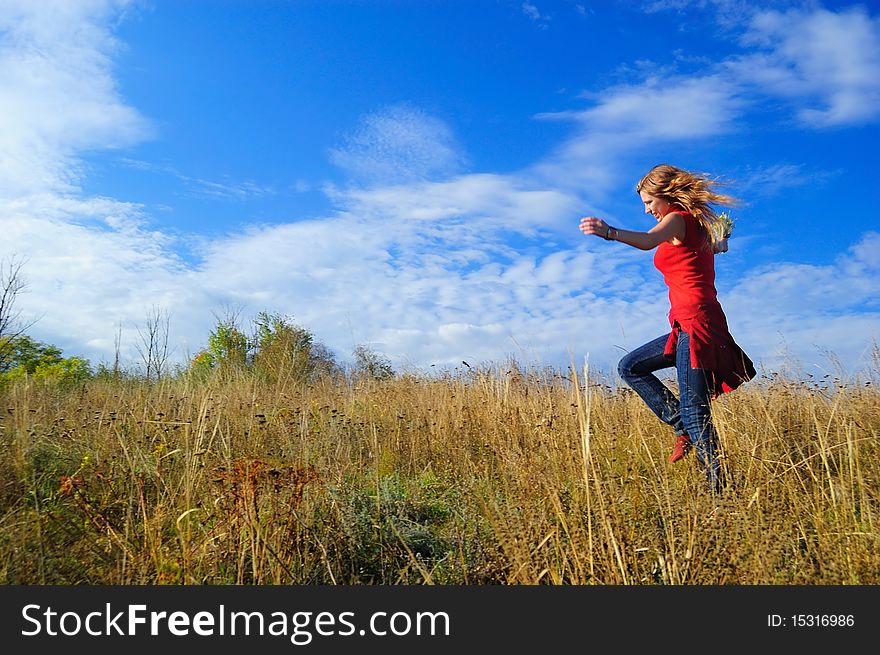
x=410 y=175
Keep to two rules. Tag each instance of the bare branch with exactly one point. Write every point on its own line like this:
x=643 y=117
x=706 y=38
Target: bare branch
x=12 y=284
x=153 y=343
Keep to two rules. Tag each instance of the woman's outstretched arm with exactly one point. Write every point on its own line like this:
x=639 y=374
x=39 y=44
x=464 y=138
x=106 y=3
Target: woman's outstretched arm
x=670 y=227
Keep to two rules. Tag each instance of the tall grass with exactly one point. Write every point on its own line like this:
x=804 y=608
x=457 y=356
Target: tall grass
x=496 y=476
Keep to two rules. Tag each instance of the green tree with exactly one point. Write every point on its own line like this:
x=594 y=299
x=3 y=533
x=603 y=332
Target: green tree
x=26 y=353
x=369 y=363
x=278 y=349
x=227 y=349
x=69 y=369
x=24 y=356
x=228 y=345
x=284 y=350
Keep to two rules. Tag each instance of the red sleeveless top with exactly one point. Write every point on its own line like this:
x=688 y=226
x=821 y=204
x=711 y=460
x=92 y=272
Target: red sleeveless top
x=689 y=271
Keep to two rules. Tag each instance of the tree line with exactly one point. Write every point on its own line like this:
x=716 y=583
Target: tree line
x=275 y=349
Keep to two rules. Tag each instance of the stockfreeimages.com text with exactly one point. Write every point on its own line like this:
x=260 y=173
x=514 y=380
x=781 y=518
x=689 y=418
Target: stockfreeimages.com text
x=301 y=626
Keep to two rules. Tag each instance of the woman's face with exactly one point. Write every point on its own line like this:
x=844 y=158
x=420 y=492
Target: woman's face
x=655 y=206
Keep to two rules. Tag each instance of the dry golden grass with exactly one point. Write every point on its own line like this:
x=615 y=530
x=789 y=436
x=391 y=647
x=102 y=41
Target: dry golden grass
x=490 y=477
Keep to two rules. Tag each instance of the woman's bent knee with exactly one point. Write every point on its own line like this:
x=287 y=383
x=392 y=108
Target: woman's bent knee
x=625 y=367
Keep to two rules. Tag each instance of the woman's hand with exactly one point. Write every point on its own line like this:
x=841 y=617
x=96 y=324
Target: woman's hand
x=593 y=225
x=721 y=246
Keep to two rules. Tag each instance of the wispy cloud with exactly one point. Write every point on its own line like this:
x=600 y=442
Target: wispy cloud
x=534 y=14
x=829 y=59
x=729 y=14
x=58 y=93
x=399 y=144
x=91 y=264
x=663 y=109
x=635 y=117
x=499 y=202
x=227 y=190
x=201 y=188
x=834 y=306
x=851 y=282
x=773 y=179
x=825 y=65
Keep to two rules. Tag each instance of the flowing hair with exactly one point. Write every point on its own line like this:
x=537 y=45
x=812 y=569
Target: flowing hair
x=693 y=192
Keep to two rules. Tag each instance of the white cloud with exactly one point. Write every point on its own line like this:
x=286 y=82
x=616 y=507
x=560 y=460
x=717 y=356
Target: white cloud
x=851 y=282
x=196 y=187
x=727 y=13
x=228 y=190
x=480 y=201
x=632 y=118
x=56 y=55
x=775 y=178
x=827 y=64
x=534 y=14
x=664 y=109
x=828 y=59
x=834 y=306
x=90 y=265
x=399 y=144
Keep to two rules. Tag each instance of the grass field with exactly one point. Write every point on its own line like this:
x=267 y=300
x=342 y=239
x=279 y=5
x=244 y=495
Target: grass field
x=496 y=476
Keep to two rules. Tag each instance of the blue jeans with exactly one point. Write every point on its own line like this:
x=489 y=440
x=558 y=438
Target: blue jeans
x=690 y=414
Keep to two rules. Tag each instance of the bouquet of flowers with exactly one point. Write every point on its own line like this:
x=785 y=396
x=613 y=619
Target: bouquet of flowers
x=725 y=222
x=726 y=225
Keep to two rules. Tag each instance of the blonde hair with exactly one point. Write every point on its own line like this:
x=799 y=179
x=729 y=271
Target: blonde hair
x=693 y=192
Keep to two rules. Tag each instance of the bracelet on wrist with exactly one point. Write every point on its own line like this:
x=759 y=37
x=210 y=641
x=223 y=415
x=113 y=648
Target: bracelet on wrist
x=609 y=233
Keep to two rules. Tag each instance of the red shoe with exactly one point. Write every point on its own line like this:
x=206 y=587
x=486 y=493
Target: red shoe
x=682 y=447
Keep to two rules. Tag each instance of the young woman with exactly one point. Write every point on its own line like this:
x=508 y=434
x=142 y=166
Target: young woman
x=708 y=362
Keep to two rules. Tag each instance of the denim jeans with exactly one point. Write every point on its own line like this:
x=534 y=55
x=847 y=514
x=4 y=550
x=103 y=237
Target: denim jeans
x=691 y=413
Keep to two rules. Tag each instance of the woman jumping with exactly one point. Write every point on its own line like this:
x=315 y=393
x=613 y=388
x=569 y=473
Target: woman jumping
x=708 y=362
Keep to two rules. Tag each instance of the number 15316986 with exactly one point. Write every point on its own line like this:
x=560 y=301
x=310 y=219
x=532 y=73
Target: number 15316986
x=811 y=621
